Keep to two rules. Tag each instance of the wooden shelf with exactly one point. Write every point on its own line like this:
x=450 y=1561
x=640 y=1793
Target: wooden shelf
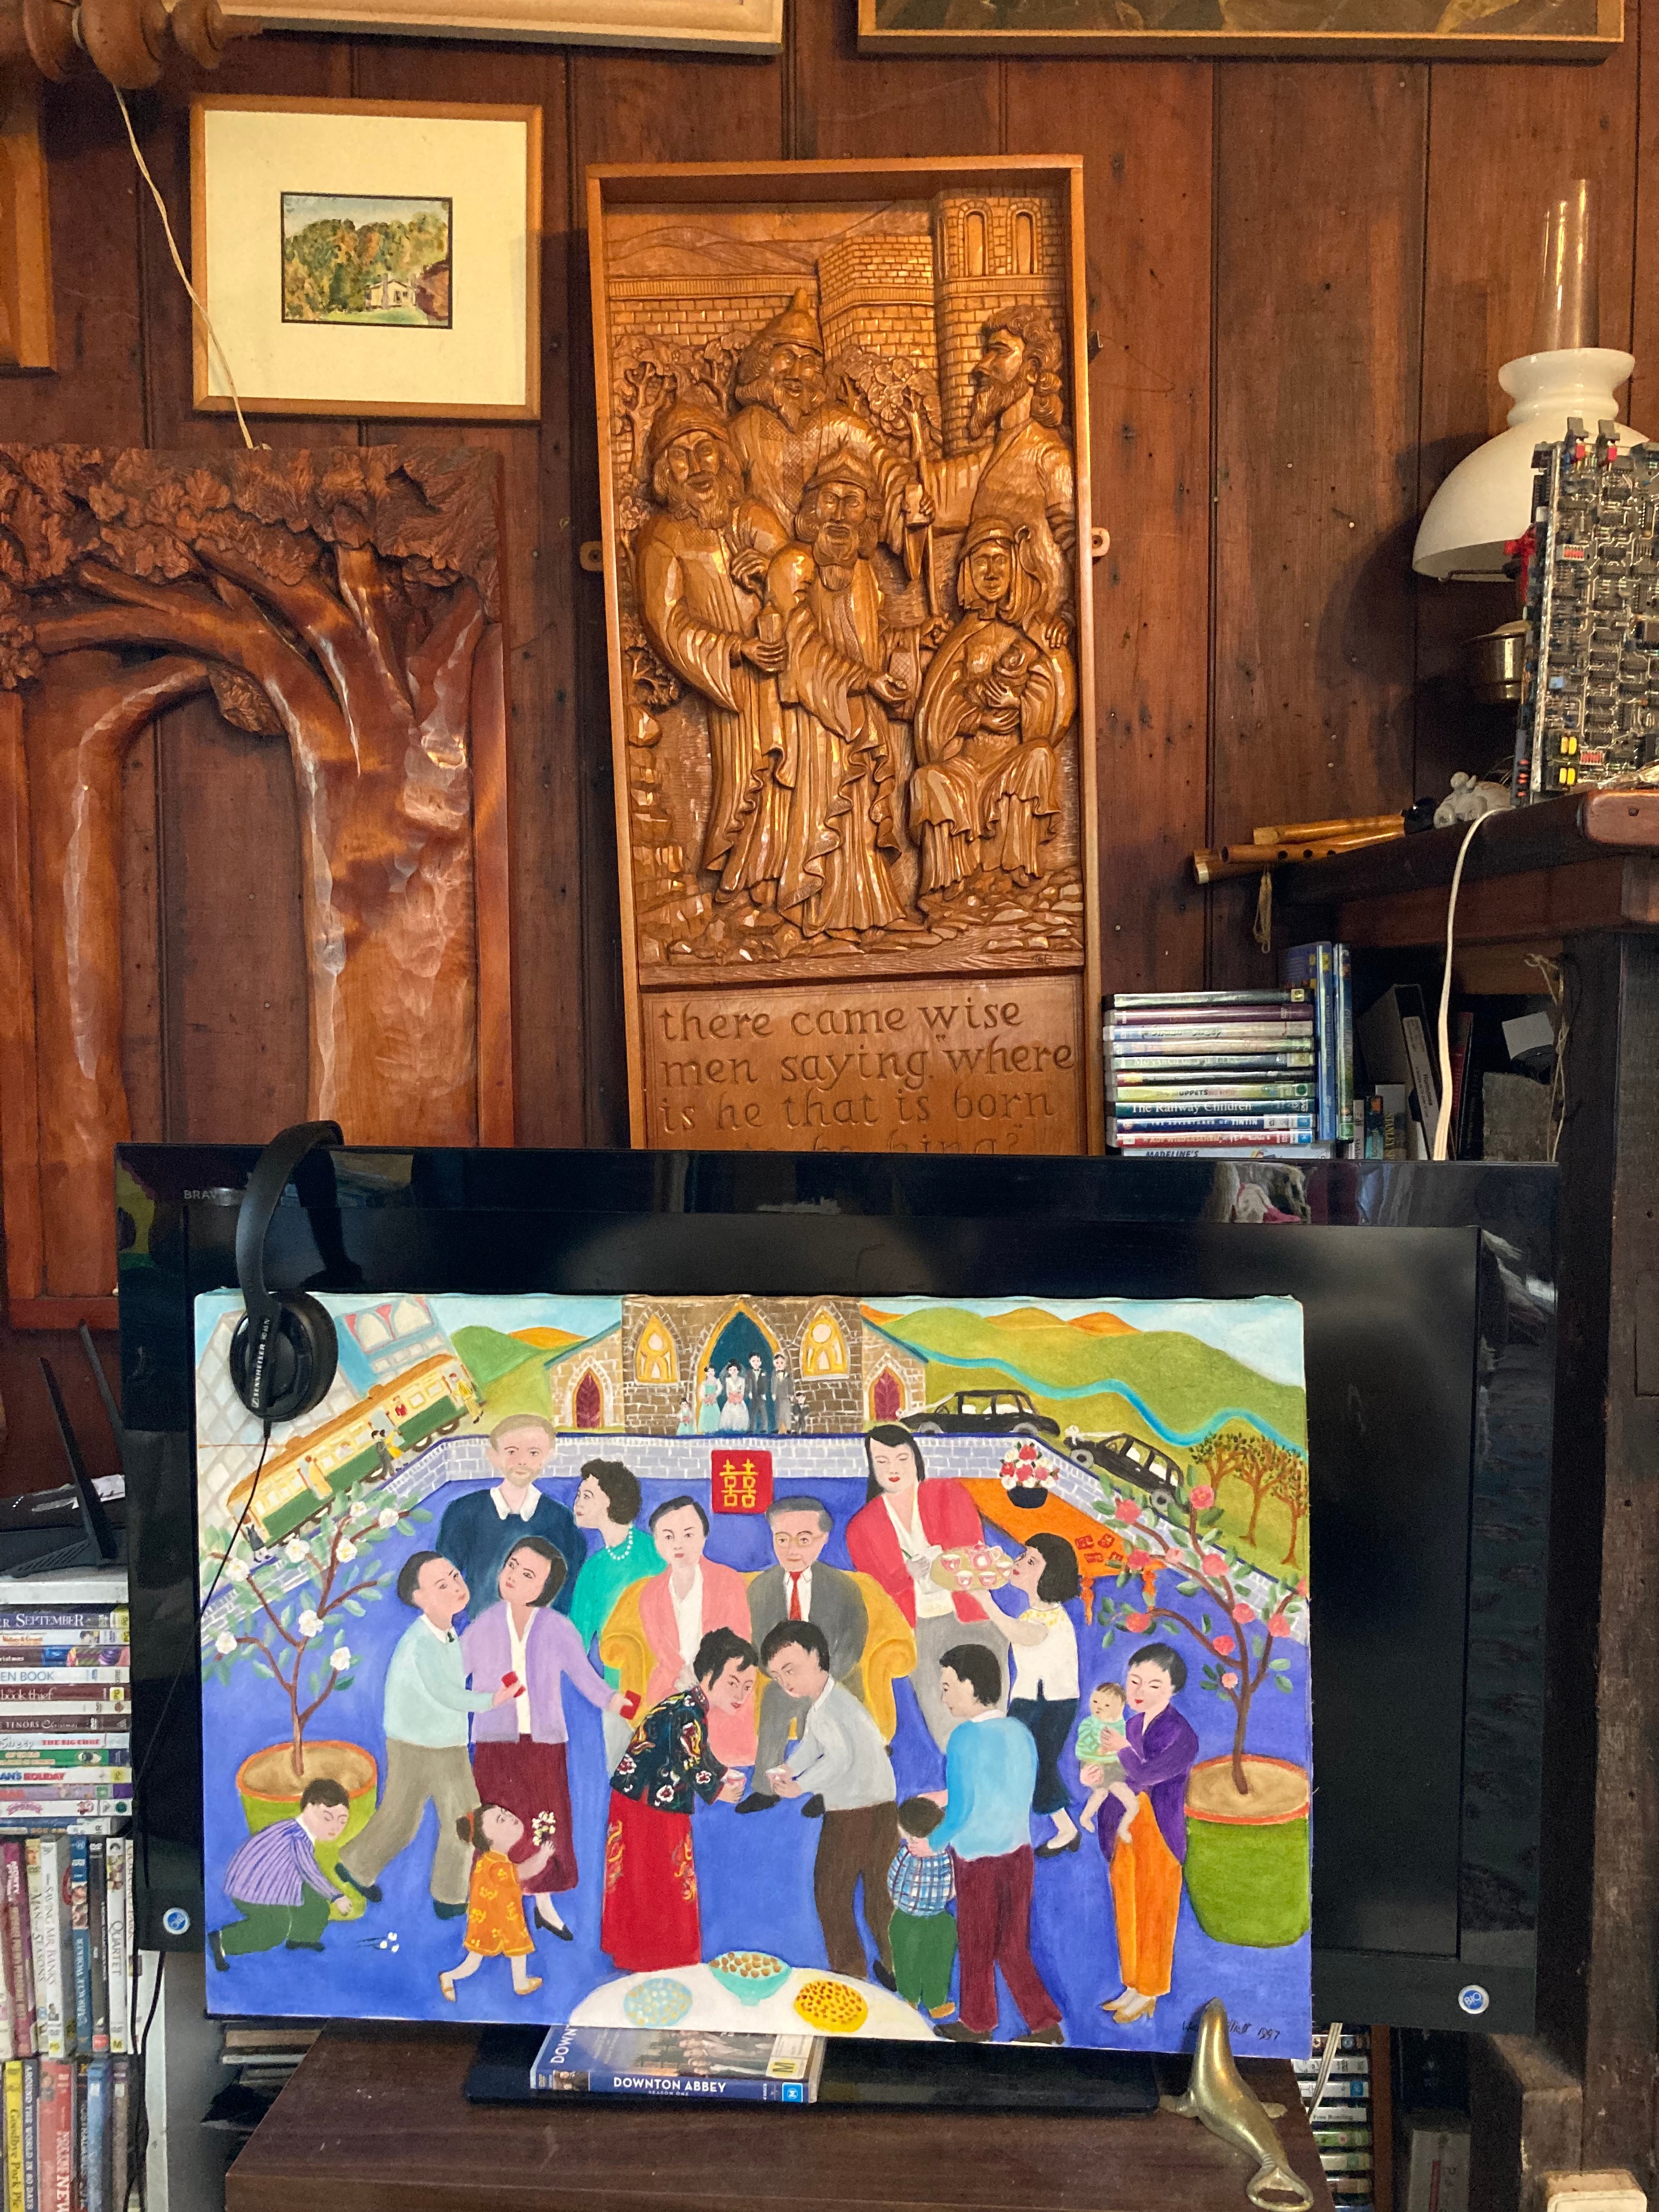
x=1564 y=867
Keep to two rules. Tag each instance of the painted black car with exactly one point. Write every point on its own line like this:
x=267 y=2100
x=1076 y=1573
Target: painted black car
x=983 y=1413
x=1130 y=1459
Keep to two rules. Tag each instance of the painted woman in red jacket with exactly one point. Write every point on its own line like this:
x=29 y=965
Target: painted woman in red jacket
x=897 y=1536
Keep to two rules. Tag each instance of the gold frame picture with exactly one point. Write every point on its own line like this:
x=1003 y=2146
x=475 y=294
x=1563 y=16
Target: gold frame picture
x=428 y=315
x=1265 y=30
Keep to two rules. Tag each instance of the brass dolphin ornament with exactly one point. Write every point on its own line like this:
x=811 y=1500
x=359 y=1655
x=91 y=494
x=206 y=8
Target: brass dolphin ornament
x=1218 y=2097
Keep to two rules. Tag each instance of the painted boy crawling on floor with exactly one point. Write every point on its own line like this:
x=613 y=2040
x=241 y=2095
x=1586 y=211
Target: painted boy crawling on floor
x=276 y=1884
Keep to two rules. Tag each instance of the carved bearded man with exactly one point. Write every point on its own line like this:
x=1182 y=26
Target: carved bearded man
x=842 y=756
x=995 y=703
x=700 y=565
x=1026 y=474
x=787 y=428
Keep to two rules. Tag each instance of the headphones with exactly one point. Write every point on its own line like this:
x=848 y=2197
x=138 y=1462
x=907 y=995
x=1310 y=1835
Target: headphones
x=284 y=1352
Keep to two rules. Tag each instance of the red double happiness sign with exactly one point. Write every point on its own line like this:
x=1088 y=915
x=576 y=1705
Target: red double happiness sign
x=740 y=1480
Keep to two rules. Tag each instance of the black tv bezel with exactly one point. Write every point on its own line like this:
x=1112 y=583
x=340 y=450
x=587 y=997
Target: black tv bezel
x=343 y=1231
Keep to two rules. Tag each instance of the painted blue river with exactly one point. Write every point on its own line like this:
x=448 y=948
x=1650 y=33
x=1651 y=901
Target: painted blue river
x=1095 y=1389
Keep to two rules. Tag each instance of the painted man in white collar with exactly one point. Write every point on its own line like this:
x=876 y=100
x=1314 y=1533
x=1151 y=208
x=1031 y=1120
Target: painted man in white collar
x=481 y=1526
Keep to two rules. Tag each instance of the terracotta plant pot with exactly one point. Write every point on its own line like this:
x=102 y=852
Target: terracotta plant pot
x=269 y=1791
x=1247 y=1866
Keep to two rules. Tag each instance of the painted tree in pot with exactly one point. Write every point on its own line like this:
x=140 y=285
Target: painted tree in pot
x=287 y=1619
x=1247 y=1869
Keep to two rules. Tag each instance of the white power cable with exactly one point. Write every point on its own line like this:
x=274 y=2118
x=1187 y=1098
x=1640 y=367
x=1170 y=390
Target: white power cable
x=1442 y=1120
x=1333 y=2039
x=177 y=263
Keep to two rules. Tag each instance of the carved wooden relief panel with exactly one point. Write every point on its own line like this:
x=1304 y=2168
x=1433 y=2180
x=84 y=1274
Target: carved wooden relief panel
x=343 y=603
x=844 y=456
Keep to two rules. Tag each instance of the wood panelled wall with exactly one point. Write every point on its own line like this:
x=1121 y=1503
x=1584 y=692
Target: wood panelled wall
x=1302 y=278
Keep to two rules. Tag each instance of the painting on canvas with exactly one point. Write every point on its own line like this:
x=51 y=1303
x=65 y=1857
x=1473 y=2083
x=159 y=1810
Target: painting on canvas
x=347 y=259
x=903 y=1668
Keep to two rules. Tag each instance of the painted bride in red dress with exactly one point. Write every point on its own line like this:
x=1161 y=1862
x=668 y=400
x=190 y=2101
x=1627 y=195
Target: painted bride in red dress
x=650 y=1918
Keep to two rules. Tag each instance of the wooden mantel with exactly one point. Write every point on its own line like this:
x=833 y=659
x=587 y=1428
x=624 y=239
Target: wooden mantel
x=1564 y=867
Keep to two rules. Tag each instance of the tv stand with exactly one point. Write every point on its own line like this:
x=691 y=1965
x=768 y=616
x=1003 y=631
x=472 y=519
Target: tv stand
x=376 y=2117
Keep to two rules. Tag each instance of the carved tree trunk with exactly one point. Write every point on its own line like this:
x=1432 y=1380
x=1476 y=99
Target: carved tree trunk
x=76 y=728
x=382 y=774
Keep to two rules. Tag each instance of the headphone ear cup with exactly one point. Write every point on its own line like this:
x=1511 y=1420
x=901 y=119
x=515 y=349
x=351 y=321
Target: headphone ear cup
x=300 y=1362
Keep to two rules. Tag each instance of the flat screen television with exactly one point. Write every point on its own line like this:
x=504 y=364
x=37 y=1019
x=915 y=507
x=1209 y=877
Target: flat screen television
x=1428 y=1303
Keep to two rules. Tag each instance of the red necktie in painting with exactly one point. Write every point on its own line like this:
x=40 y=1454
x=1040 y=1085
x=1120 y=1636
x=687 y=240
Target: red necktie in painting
x=794 y=1597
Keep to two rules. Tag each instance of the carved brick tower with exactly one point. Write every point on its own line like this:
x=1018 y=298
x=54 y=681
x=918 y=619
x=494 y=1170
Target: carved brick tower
x=876 y=290
x=991 y=250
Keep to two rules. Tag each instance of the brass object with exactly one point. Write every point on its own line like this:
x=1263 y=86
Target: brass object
x=1219 y=2098
x=1496 y=658
x=1340 y=825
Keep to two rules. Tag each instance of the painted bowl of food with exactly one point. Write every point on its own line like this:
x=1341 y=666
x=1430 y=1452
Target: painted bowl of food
x=749 y=1975
x=831 y=2007
x=658 y=2002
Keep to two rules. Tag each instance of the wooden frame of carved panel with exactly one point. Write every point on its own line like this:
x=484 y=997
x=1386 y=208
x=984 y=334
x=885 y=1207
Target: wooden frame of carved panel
x=844 y=469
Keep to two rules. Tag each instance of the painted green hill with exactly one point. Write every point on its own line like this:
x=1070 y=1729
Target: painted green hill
x=1185 y=1384
x=489 y=1353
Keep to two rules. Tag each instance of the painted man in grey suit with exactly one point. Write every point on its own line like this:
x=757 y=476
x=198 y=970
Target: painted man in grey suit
x=801 y=1587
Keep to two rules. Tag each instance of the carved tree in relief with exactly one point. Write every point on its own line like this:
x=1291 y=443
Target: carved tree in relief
x=336 y=600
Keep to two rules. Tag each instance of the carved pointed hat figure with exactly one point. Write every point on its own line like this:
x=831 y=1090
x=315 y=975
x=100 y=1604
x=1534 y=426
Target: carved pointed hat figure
x=798 y=325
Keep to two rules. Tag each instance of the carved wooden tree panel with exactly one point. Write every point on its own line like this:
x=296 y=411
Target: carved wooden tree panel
x=342 y=603
x=847 y=545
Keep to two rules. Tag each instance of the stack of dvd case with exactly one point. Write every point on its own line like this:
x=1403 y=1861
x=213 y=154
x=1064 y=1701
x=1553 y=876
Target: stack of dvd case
x=66 y=1931
x=1214 y=1074
x=1342 y=2120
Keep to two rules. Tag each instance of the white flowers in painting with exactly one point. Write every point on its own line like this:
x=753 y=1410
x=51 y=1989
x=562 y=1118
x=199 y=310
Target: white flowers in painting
x=388 y=1517
x=224 y=1643
x=340 y=1660
x=295 y=1550
x=236 y=1570
x=346 y=1549
x=308 y=1623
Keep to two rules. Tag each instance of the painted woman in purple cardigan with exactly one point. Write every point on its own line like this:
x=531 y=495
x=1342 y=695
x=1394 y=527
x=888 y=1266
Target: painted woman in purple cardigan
x=519 y=1748
x=1143 y=1834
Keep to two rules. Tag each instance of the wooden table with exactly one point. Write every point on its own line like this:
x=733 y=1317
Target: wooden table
x=375 y=2119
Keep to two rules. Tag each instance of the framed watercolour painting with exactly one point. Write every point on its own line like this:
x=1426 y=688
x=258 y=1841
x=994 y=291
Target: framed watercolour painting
x=367 y=258
x=1359 y=30
x=715 y=27
x=763 y=1661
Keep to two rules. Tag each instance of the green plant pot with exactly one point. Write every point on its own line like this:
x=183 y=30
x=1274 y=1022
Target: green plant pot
x=269 y=1791
x=1247 y=1866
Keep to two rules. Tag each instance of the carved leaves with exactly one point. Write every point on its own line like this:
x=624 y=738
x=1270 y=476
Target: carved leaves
x=242 y=701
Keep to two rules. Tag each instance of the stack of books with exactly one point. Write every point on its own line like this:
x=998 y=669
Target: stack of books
x=66 y=1925
x=1215 y=1074
x=1341 y=2121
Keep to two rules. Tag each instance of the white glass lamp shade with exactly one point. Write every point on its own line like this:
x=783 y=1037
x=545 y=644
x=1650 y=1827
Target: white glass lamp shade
x=1486 y=501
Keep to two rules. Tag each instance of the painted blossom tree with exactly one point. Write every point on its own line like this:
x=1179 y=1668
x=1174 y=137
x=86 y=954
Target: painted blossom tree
x=1237 y=1639
x=342 y=601
x=290 y=1605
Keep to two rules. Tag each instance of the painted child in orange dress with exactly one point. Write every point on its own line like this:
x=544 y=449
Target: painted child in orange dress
x=495 y=1900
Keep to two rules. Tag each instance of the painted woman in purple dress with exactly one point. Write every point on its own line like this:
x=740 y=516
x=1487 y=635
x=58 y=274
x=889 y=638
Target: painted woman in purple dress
x=1143 y=1828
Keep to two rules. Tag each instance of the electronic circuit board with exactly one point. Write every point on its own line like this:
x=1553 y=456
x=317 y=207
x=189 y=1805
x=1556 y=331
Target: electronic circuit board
x=1589 y=704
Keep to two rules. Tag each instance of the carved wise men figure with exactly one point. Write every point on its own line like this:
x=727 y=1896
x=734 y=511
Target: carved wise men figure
x=700 y=566
x=996 y=698
x=787 y=428
x=842 y=755
x=1025 y=474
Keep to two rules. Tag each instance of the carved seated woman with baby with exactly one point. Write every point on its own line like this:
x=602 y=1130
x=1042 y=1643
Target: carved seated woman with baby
x=996 y=698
